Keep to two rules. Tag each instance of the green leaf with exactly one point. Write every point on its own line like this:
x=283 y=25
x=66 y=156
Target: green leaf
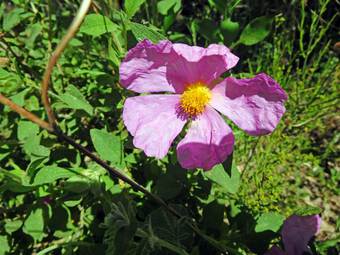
x=12 y=19
x=230 y=30
x=49 y=174
x=269 y=221
x=165 y=5
x=75 y=100
x=120 y=227
x=220 y=176
x=142 y=32
x=9 y=81
x=256 y=30
x=132 y=6
x=107 y=145
x=77 y=184
x=34 y=224
x=12 y=226
x=4 y=247
x=96 y=24
x=33 y=148
x=27 y=129
x=32 y=33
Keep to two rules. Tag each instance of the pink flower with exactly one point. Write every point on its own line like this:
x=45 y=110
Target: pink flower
x=187 y=76
x=297 y=231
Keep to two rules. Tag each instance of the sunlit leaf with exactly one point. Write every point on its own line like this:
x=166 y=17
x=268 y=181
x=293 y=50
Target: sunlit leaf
x=96 y=24
x=143 y=32
x=269 y=221
x=132 y=6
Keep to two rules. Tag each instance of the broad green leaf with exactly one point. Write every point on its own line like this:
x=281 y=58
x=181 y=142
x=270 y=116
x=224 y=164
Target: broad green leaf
x=75 y=100
x=143 y=32
x=269 y=221
x=96 y=24
x=34 y=224
x=9 y=82
x=33 y=148
x=165 y=5
x=12 y=19
x=256 y=30
x=4 y=247
x=221 y=177
x=49 y=174
x=132 y=6
x=27 y=129
x=107 y=145
x=12 y=226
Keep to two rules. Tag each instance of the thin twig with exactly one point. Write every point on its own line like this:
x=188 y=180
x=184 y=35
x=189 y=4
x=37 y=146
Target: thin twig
x=26 y=114
x=53 y=128
x=55 y=56
x=114 y=172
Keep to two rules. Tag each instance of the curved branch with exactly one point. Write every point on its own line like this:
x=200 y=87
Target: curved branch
x=85 y=5
x=26 y=114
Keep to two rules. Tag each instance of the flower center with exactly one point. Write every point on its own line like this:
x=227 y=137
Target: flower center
x=194 y=99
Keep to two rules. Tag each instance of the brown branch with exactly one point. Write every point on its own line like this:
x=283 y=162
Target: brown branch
x=55 y=56
x=52 y=127
x=26 y=114
x=114 y=172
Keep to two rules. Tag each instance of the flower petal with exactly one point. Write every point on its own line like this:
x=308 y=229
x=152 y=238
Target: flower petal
x=256 y=105
x=167 y=67
x=153 y=122
x=144 y=67
x=297 y=232
x=197 y=64
x=208 y=142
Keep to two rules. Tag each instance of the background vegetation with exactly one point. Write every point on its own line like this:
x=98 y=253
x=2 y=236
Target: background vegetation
x=54 y=200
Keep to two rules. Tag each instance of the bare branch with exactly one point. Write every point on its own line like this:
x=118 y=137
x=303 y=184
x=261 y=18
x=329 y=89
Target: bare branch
x=55 y=56
x=24 y=113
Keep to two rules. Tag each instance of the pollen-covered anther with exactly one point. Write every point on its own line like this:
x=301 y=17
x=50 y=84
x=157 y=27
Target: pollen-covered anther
x=194 y=99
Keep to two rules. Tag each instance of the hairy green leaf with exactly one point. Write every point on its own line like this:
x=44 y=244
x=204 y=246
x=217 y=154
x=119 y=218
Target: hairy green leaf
x=143 y=32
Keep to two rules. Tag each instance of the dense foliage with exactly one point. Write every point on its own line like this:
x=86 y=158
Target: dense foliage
x=55 y=200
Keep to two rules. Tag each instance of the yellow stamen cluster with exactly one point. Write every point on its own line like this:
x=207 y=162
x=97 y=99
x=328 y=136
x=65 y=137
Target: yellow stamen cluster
x=194 y=99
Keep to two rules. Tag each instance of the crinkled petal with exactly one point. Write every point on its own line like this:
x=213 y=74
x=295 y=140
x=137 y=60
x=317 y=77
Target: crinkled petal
x=144 y=67
x=297 y=231
x=208 y=142
x=153 y=122
x=167 y=67
x=256 y=105
x=197 y=64
x=275 y=251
